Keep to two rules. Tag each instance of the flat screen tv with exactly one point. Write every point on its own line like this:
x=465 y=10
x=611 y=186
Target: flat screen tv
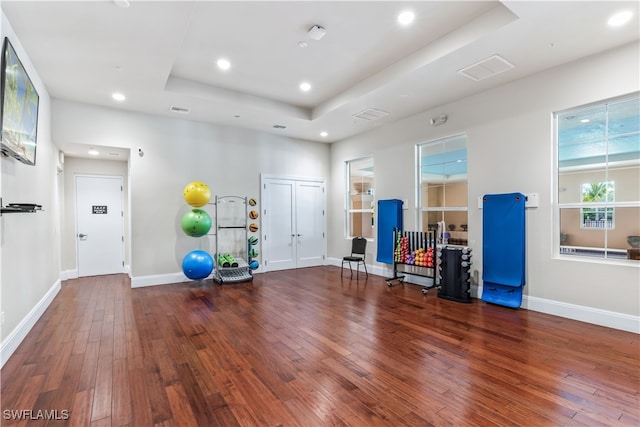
x=19 y=108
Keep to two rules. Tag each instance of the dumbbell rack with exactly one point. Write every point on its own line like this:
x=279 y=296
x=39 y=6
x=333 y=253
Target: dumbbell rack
x=454 y=265
x=415 y=240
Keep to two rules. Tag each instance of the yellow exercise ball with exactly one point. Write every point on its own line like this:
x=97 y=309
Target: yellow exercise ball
x=197 y=194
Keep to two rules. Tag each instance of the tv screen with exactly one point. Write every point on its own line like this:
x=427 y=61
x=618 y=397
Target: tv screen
x=19 y=108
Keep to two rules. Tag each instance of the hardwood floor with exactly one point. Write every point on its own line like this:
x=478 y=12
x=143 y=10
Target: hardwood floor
x=307 y=348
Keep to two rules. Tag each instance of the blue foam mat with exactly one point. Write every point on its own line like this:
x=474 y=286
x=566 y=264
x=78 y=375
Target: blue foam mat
x=389 y=216
x=508 y=296
x=503 y=239
x=503 y=248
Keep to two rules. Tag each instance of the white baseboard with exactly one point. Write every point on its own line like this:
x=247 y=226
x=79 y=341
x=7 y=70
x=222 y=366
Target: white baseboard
x=610 y=319
x=13 y=340
x=69 y=274
x=73 y=274
x=596 y=316
x=157 y=279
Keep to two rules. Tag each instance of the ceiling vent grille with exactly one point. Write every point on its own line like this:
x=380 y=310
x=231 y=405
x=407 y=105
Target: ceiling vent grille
x=180 y=110
x=486 y=68
x=371 y=114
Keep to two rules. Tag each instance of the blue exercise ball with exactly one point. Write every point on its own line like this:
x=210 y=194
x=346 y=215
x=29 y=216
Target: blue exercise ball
x=197 y=265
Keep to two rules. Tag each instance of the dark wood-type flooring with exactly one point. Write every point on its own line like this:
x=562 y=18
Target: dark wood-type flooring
x=307 y=348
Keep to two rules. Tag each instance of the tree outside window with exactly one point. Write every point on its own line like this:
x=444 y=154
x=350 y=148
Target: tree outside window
x=598 y=217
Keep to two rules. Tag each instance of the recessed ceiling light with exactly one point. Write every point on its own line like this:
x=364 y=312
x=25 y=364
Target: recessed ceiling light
x=118 y=97
x=324 y=134
x=406 y=17
x=93 y=152
x=620 y=18
x=585 y=121
x=305 y=86
x=224 y=64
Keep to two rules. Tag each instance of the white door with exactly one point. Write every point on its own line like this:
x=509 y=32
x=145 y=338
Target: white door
x=279 y=235
x=309 y=220
x=294 y=223
x=99 y=225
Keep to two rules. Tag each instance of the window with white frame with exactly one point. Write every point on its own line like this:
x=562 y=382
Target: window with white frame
x=442 y=183
x=359 y=211
x=598 y=171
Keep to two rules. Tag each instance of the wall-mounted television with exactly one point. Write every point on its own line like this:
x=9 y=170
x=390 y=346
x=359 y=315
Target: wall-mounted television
x=18 y=109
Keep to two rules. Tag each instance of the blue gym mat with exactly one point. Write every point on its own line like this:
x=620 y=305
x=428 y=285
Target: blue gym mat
x=389 y=216
x=503 y=248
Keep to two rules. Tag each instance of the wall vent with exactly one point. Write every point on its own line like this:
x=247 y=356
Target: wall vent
x=486 y=68
x=371 y=114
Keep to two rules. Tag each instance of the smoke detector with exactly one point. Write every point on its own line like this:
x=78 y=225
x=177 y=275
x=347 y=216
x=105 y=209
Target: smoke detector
x=317 y=32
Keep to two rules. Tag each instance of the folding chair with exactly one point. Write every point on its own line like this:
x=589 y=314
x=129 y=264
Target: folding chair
x=358 y=255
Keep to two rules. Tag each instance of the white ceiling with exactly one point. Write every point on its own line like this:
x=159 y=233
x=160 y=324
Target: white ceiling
x=163 y=54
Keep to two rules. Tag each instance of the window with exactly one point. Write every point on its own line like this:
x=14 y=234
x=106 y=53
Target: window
x=442 y=180
x=360 y=199
x=597 y=218
x=598 y=171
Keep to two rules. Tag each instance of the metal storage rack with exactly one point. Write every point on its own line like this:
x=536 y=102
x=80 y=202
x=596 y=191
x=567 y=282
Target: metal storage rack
x=231 y=238
x=455 y=273
x=402 y=266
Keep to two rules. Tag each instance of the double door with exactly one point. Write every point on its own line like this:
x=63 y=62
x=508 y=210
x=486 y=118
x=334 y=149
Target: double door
x=294 y=223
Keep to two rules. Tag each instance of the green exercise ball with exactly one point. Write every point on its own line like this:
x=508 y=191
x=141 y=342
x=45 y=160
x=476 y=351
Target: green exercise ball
x=196 y=223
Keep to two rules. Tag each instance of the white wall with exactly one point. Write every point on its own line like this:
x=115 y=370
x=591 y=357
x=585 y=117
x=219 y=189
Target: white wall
x=176 y=152
x=510 y=148
x=30 y=242
x=78 y=166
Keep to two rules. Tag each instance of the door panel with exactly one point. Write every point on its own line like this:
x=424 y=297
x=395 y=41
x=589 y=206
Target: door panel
x=278 y=225
x=99 y=225
x=310 y=223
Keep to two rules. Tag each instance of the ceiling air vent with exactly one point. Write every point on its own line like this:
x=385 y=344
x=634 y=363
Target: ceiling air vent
x=180 y=110
x=371 y=114
x=488 y=67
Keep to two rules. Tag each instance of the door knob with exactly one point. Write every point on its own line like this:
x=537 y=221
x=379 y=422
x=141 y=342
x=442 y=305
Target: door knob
x=82 y=236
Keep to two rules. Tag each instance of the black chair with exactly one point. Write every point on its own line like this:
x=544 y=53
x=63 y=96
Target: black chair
x=358 y=255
